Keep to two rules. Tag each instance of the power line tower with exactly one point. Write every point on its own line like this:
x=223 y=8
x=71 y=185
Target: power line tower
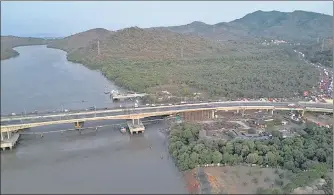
x=98 y=47
x=322 y=45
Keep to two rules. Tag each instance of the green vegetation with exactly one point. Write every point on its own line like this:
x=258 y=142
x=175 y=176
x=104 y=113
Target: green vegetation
x=9 y=42
x=255 y=75
x=8 y=53
x=294 y=26
x=316 y=53
x=154 y=60
x=309 y=156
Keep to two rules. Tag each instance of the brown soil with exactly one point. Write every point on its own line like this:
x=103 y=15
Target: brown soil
x=191 y=181
x=234 y=179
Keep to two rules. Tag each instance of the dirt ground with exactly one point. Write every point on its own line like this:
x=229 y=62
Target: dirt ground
x=236 y=179
x=191 y=181
x=321 y=119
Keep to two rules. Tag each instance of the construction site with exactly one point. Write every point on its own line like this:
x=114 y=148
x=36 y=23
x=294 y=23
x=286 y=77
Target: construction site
x=252 y=125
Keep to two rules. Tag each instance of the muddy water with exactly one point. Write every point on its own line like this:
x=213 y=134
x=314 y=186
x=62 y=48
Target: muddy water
x=91 y=162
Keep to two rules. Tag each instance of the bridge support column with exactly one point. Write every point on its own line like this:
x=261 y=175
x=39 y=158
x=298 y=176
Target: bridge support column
x=303 y=112
x=212 y=114
x=8 y=134
x=1 y=137
x=272 y=111
x=243 y=112
x=133 y=121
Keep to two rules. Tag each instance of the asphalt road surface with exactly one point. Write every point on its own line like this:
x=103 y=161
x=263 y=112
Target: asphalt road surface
x=145 y=109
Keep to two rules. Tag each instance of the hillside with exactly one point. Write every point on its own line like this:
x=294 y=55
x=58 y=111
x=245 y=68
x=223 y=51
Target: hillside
x=9 y=42
x=321 y=52
x=136 y=43
x=296 y=26
x=79 y=40
x=158 y=59
x=150 y=60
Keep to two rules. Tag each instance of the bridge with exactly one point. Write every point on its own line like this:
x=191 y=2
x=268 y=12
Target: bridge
x=15 y=123
x=196 y=111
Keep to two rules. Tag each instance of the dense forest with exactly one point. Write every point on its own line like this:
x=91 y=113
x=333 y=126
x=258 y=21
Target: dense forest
x=309 y=156
x=318 y=52
x=268 y=73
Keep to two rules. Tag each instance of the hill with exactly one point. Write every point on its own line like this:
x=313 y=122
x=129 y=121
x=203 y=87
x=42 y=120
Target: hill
x=149 y=44
x=150 y=60
x=320 y=52
x=296 y=26
x=9 y=42
x=158 y=59
x=79 y=40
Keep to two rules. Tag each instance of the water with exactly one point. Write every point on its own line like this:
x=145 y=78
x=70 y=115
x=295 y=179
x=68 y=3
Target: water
x=42 y=79
x=91 y=162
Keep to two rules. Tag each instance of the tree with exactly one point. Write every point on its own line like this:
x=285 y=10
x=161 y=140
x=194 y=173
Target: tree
x=237 y=148
x=321 y=155
x=194 y=157
x=226 y=158
x=229 y=148
x=217 y=157
x=289 y=165
x=252 y=158
x=184 y=161
x=271 y=159
x=245 y=150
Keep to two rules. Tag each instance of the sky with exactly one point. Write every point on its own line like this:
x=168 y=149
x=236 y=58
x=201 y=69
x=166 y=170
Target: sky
x=62 y=18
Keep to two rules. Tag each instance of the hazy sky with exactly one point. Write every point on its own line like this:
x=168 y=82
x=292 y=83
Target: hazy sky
x=64 y=18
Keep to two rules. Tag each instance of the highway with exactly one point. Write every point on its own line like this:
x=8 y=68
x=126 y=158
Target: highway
x=146 y=111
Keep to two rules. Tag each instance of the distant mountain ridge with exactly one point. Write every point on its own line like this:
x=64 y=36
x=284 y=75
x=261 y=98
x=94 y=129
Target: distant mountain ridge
x=291 y=26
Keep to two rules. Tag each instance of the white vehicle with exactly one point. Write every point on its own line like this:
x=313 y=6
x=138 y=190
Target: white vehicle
x=136 y=105
x=291 y=105
x=153 y=104
x=65 y=110
x=13 y=114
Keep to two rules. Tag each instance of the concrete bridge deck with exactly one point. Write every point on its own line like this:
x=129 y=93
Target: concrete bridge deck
x=15 y=123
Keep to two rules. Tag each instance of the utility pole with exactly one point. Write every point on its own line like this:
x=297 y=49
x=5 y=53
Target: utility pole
x=98 y=47
x=322 y=46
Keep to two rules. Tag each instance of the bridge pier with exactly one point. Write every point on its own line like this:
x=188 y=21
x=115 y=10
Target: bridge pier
x=243 y=112
x=10 y=141
x=136 y=128
x=133 y=122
